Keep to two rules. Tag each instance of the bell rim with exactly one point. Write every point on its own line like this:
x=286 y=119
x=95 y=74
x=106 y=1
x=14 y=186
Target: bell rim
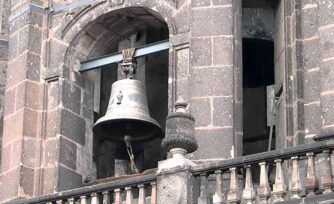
x=158 y=130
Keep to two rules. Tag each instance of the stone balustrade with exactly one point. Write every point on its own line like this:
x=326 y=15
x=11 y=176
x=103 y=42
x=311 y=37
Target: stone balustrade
x=300 y=174
x=125 y=190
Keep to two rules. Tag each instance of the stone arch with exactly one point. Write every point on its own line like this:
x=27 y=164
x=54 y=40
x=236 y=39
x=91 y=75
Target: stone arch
x=164 y=8
x=95 y=40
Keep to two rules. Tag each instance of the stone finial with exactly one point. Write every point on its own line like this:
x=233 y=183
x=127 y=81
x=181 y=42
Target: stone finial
x=248 y=193
x=233 y=195
x=311 y=183
x=264 y=188
x=295 y=185
x=180 y=131
x=279 y=188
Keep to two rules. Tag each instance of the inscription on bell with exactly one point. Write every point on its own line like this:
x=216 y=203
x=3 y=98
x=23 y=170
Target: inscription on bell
x=137 y=98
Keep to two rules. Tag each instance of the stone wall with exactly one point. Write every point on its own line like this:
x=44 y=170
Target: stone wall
x=215 y=78
x=47 y=140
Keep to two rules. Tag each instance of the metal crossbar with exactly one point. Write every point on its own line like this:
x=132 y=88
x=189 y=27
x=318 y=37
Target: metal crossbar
x=117 y=57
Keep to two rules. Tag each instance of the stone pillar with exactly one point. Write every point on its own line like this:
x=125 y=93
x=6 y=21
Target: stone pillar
x=216 y=78
x=178 y=141
x=21 y=144
x=4 y=14
x=326 y=35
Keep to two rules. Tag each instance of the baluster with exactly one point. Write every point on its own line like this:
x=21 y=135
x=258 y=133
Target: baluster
x=326 y=182
x=218 y=197
x=279 y=188
x=203 y=198
x=48 y=202
x=154 y=193
x=106 y=197
x=264 y=189
x=70 y=201
x=129 y=195
x=94 y=198
x=295 y=185
x=142 y=196
x=311 y=183
x=233 y=195
x=83 y=199
x=59 y=201
x=249 y=193
x=117 y=196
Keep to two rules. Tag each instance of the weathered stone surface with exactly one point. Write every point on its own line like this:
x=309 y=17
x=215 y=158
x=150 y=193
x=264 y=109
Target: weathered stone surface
x=201 y=52
x=198 y=107
x=222 y=51
x=327 y=42
x=326 y=13
x=209 y=21
x=9 y=184
x=223 y=111
x=312 y=118
x=309 y=23
x=179 y=192
x=13 y=127
x=310 y=54
x=9 y=102
x=211 y=82
x=68 y=179
x=71 y=97
x=200 y=3
x=327 y=75
x=222 y=2
x=51 y=147
x=5 y=158
x=72 y=126
x=49 y=184
x=30 y=157
x=327 y=109
x=211 y=142
x=27 y=94
x=53 y=121
x=30 y=123
x=68 y=153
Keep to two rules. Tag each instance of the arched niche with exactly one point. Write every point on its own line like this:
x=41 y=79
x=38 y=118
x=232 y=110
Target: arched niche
x=109 y=33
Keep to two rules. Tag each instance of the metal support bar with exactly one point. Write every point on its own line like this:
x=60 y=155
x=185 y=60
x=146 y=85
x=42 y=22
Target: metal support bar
x=117 y=57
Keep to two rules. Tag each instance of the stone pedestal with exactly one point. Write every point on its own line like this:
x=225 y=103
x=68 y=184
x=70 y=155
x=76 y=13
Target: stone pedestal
x=175 y=185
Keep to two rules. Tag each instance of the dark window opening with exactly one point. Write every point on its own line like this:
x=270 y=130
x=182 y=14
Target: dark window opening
x=258 y=76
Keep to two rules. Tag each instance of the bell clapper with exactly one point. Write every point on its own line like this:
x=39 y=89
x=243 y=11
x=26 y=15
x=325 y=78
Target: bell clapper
x=127 y=140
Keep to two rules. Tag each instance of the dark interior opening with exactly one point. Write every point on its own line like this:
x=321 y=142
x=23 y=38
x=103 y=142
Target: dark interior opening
x=258 y=75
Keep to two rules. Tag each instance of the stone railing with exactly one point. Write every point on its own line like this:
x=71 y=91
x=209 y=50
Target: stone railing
x=140 y=189
x=300 y=174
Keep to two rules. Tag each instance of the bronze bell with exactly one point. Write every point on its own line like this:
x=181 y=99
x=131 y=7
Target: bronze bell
x=127 y=113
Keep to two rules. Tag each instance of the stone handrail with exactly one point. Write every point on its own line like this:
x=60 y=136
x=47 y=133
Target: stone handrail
x=106 y=192
x=297 y=173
